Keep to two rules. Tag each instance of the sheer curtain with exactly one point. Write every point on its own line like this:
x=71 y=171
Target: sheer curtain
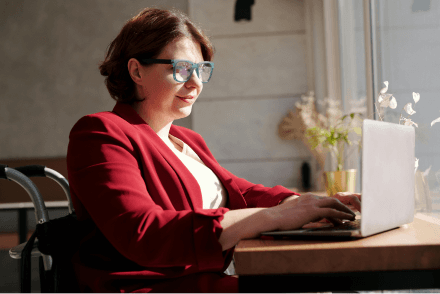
x=407 y=45
x=396 y=41
x=355 y=46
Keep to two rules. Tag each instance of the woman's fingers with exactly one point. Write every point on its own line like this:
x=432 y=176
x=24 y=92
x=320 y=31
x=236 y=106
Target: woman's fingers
x=352 y=199
x=355 y=201
x=349 y=194
x=335 y=211
x=332 y=214
x=335 y=221
x=336 y=204
x=311 y=208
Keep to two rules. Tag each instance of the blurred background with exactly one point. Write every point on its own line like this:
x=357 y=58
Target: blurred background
x=268 y=54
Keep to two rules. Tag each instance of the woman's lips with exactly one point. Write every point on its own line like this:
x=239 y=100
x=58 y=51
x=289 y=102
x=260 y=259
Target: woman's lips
x=187 y=99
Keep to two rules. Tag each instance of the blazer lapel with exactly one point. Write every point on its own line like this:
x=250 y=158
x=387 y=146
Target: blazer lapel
x=189 y=183
x=236 y=199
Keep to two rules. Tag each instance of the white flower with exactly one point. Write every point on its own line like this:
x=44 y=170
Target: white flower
x=408 y=108
x=409 y=122
x=333 y=103
x=322 y=118
x=435 y=121
x=385 y=101
x=358 y=106
x=416 y=97
x=384 y=90
x=384 y=97
x=393 y=103
x=307 y=99
x=416 y=165
x=426 y=172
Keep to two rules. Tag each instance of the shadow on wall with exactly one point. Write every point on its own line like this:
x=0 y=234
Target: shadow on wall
x=421 y=5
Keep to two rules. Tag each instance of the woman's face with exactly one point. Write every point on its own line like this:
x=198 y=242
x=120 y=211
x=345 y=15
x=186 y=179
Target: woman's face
x=165 y=99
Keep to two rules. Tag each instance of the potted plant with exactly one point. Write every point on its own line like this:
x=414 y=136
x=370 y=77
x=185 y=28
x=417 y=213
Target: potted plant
x=331 y=132
x=335 y=135
x=323 y=133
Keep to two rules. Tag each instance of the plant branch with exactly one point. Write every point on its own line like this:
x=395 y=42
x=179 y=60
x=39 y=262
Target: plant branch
x=378 y=112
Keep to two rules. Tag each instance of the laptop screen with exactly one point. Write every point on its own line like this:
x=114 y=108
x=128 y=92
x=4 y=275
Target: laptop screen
x=388 y=157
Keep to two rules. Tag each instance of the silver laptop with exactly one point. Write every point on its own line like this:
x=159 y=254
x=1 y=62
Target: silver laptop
x=388 y=157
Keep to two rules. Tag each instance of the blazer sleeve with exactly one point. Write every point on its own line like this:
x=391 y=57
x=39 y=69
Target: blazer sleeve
x=255 y=195
x=105 y=175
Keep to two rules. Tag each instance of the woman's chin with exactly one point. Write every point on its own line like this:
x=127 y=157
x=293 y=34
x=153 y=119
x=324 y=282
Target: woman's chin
x=184 y=112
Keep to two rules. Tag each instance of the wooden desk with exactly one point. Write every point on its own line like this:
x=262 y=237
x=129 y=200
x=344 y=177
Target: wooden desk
x=403 y=258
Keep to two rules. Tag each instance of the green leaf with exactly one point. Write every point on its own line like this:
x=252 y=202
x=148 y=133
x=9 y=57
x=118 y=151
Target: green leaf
x=358 y=130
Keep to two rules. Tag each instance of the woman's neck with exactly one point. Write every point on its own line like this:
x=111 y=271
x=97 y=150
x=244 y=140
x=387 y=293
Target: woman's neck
x=159 y=125
x=164 y=132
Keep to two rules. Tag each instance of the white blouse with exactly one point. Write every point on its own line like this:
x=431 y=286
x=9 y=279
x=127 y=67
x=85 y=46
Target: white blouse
x=213 y=193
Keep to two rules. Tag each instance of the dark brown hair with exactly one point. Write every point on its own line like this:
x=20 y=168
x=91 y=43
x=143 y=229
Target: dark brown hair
x=146 y=35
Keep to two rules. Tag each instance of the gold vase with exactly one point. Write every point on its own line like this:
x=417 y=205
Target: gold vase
x=340 y=181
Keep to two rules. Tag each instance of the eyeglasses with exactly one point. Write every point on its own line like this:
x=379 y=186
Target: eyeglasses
x=183 y=69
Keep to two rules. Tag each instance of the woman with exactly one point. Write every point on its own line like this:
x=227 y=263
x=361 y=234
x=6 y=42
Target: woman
x=166 y=215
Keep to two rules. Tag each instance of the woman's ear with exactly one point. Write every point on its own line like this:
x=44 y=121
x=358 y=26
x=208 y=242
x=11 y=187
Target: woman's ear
x=134 y=69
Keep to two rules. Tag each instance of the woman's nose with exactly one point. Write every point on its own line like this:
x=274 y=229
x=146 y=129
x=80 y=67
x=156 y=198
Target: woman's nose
x=194 y=81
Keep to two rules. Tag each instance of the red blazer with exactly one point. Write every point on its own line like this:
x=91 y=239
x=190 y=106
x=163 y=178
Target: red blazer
x=145 y=204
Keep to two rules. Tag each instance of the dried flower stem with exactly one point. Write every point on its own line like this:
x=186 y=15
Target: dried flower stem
x=378 y=112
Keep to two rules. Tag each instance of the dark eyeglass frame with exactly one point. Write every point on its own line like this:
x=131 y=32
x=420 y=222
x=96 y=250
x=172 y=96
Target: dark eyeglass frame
x=194 y=66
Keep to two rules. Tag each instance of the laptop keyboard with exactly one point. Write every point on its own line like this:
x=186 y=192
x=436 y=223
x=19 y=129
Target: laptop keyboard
x=347 y=226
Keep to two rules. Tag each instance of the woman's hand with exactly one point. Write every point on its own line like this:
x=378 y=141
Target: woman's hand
x=290 y=198
x=292 y=213
x=352 y=200
x=295 y=212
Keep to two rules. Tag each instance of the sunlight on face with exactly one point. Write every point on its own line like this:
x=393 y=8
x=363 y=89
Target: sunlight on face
x=165 y=99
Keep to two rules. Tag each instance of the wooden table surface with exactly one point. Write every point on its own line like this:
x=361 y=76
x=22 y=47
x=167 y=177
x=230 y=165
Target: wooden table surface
x=411 y=247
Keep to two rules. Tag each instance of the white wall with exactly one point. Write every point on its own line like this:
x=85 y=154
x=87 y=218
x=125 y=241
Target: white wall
x=49 y=77
x=260 y=72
